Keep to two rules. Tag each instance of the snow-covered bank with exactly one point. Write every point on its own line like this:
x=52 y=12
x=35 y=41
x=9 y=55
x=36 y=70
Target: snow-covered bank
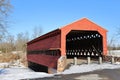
x=17 y=73
x=115 y=53
x=20 y=73
x=4 y=65
x=87 y=68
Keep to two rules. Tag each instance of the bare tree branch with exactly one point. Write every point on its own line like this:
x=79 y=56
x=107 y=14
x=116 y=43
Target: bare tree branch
x=118 y=31
x=36 y=32
x=5 y=8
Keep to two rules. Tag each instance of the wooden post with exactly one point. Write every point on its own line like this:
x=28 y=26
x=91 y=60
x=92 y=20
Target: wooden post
x=113 y=60
x=88 y=60
x=75 y=60
x=100 y=60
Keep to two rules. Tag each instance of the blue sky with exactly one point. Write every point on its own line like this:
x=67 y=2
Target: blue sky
x=52 y=14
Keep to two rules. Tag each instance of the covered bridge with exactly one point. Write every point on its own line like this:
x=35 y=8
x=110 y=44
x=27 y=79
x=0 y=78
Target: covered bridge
x=77 y=39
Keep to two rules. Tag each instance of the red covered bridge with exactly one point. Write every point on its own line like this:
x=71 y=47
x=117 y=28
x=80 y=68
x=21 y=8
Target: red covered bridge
x=80 y=38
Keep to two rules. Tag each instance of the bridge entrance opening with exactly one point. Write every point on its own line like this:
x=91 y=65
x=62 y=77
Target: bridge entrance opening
x=82 y=43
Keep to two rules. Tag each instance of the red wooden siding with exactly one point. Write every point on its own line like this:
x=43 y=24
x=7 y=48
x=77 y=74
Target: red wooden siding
x=45 y=60
x=83 y=24
x=52 y=41
x=56 y=40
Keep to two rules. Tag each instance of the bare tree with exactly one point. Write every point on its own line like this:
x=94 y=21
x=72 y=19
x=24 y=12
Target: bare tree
x=19 y=42
x=22 y=39
x=36 y=32
x=111 y=43
x=5 y=8
x=118 y=37
x=8 y=44
x=10 y=40
x=118 y=32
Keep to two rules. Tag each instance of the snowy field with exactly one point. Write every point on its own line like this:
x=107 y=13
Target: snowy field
x=114 y=53
x=17 y=73
x=91 y=67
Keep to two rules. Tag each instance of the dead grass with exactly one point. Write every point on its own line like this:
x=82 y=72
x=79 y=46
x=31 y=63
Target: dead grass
x=7 y=57
x=10 y=57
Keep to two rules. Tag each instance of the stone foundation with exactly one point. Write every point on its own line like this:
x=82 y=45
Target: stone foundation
x=61 y=64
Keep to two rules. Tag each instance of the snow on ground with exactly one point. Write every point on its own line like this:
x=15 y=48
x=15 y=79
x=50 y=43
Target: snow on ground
x=90 y=77
x=20 y=72
x=4 y=65
x=114 y=53
x=91 y=67
x=17 y=73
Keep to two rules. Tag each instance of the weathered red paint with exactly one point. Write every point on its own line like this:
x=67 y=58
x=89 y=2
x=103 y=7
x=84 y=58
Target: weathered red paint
x=45 y=60
x=45 y=42
x=57 y=40
x=83 y=24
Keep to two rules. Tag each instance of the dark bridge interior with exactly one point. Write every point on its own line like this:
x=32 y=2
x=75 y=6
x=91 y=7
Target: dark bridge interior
x=80 y=43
